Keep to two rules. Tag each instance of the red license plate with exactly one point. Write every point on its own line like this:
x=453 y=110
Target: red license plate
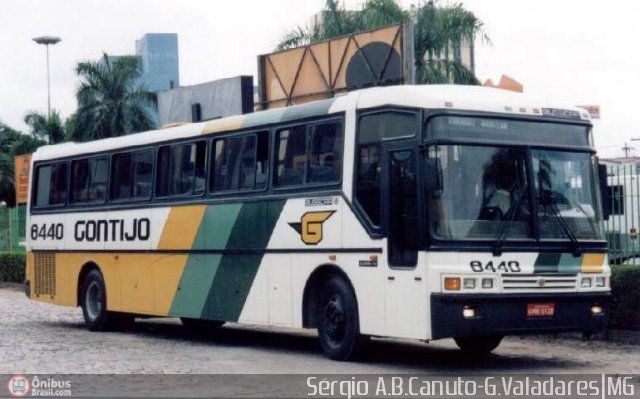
x=541 y=309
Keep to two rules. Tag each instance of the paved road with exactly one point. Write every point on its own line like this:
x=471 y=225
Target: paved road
x=40 y=338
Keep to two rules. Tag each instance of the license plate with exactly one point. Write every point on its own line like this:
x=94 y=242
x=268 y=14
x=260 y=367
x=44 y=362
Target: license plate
x=540 y=309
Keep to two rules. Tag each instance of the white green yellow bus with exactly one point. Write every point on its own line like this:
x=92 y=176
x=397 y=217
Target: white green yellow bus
x=420 y=212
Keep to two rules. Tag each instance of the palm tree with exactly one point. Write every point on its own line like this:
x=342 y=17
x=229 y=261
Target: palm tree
x=438 y=30
x=111 y=101
x=49 y=128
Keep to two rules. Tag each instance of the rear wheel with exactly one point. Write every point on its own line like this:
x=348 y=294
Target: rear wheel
x=94 y=305
x=338 y=326
x=478 y=345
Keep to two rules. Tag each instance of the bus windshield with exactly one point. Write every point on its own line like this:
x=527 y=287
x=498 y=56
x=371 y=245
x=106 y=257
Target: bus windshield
x=511 y=193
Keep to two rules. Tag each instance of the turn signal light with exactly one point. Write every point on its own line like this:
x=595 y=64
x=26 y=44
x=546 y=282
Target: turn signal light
x=452 y=283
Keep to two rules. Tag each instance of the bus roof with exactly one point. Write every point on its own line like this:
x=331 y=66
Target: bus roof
x=455 y=97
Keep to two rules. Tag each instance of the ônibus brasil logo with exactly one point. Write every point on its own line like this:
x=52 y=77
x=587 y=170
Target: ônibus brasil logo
x=19 y=386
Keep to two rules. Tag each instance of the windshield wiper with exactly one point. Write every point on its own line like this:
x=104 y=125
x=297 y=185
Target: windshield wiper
x=502 y=234
x=565 y=226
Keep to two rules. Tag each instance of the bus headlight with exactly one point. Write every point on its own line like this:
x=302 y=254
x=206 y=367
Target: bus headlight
x=487 y=283
x=469 y=283
x=586 y=282
x=601 y=281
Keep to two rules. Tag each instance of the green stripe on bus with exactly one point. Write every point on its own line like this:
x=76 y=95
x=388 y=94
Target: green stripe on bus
x=200 y=270
x=236 y=273
x=569 y=263
x=547 y=263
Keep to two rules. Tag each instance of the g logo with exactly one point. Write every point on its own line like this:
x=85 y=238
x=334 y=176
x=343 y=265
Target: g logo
x=310 y=226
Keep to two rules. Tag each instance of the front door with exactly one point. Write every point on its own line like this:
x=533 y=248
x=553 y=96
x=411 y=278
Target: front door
x=406 y=297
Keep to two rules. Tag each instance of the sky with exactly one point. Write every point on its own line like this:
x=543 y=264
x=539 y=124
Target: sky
x=573 y=51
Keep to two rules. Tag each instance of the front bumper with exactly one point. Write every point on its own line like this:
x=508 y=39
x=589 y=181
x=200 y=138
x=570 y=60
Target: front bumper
x=506 y=314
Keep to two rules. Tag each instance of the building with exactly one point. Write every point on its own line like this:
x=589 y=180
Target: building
x=158 y=53
x=206 y=101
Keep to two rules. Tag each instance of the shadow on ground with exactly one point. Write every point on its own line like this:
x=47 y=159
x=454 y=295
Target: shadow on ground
x=382 y=352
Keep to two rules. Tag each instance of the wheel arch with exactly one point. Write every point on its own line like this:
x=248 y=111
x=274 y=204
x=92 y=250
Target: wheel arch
x=312 y=289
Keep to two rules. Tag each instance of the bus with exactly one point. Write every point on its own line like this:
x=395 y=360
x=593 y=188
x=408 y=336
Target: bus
x=417 y=212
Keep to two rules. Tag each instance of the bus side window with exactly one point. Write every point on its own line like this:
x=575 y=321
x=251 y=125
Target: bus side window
x=89 y=180
x=142 y=169
x=51 y=185
x=325 y=153
x=181 y=169
x=262 y=161
x=292 y=151
x=131 y=175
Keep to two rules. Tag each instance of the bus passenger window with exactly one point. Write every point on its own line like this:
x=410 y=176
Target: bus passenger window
x=89 y=180
x=181 y=169
x=218 y=179
x=291 y=147
x=51 y=185
x=262 y=161
x=325 y=153
x=131 y=175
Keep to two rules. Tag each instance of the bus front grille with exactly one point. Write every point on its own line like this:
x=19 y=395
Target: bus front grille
x=44 y=273
x=539 y=281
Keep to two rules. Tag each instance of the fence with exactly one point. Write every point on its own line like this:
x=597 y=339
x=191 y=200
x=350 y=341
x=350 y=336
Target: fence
x=12 y=229
x=623 y=203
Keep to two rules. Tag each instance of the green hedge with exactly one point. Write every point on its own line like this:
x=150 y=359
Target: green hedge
x=625 y=306
x=12 y=267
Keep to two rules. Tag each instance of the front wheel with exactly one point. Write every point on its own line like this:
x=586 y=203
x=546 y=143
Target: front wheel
x=478 y=345
x=94 y=305
x=338 y=327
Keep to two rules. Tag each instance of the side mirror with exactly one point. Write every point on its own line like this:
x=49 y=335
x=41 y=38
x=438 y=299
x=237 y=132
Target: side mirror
x=605 y=192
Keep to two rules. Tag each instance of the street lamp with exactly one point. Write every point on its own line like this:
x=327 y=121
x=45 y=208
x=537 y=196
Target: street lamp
x=47 y=40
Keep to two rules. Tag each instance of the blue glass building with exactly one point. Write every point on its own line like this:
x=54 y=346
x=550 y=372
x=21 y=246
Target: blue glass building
x=159 y=55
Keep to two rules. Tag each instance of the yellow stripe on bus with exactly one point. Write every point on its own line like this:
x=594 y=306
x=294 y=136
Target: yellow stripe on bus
x=225 y=124
x=181 y=227
x=592 y=263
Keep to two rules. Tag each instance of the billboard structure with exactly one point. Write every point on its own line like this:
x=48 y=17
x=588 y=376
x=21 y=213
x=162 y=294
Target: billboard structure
x=321 y=70
x=22 y=166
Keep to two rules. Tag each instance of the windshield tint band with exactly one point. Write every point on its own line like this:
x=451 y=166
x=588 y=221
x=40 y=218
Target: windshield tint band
x=507 y=130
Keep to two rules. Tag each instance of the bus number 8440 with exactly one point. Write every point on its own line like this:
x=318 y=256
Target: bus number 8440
x=53 y=231
x=504 y=266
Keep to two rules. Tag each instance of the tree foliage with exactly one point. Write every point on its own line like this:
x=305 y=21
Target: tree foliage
x=111 y=101
x=438 y=30
x=12 y=143
x=48 y=128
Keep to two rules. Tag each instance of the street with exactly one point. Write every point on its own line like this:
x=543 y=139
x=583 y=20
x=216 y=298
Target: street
x=41 y=338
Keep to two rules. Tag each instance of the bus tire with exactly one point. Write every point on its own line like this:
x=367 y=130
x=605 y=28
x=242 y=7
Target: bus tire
x=338 y=326
x=201 y=325
x=94 y=305
x=478 y=345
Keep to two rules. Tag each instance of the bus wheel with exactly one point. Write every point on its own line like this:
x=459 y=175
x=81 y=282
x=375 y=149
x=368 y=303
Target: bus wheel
x=94 y=305
x=478 y=345
x=338 y=327
x=201 y=325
